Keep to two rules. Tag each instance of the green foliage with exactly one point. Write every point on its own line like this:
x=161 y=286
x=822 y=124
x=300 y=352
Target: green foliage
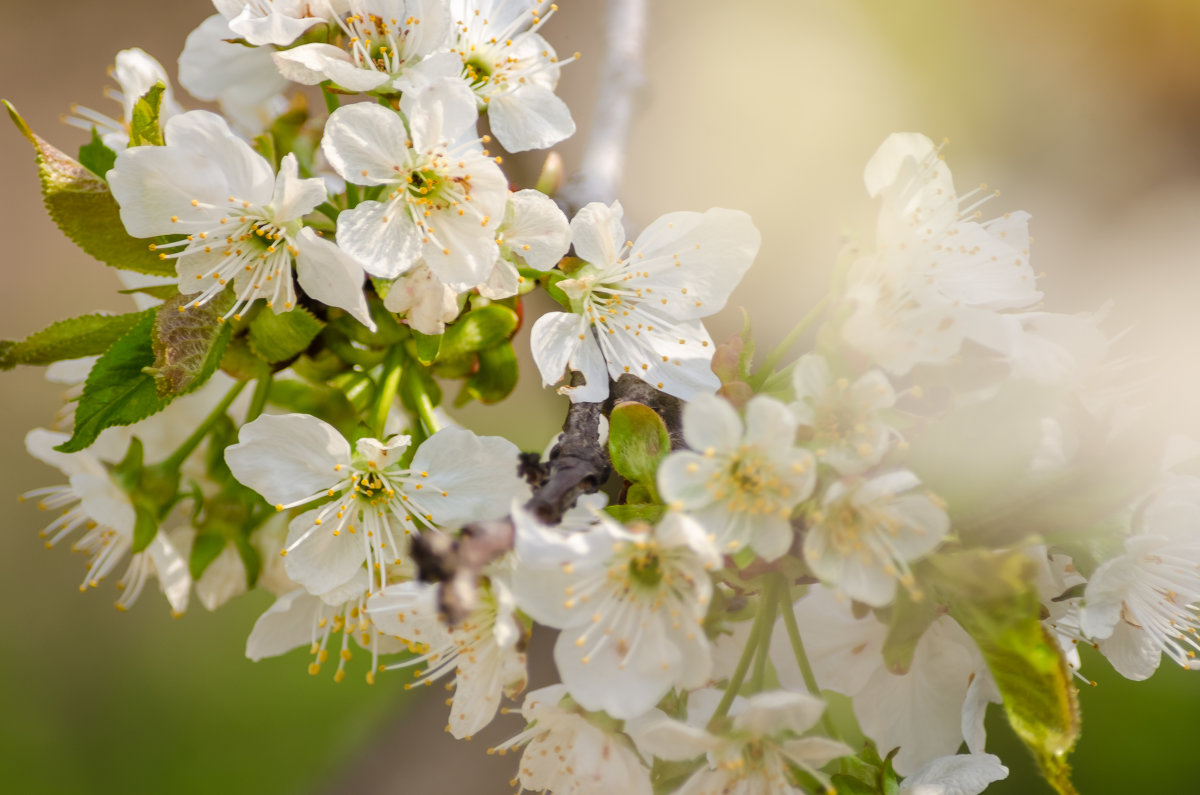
x=637 y=442
x=205 y=549
x=427 y=346
x=650 y=513
x=87 y=335
x=240 y=361
x=118 y=391
x=145 y=524
x=478 y=330
x=495 y=377
x=96 y=157
x=145 y=128
x=188 y=343
x=278 y=337
x=81 y=205
x=992 y=595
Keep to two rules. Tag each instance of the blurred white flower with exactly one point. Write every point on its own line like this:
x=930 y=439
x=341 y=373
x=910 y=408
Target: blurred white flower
x=961 y=774
x=534 y=234
x=135 y=73
x=847 y=433
x=269 y=21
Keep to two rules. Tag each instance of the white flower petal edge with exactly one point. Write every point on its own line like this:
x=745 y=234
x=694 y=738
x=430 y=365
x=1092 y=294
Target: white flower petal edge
x=961 y=774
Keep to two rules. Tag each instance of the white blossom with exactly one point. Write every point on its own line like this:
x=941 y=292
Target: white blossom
x=636 y=307
x=269 y=21
x=568 y=755
x=534 y=234
x=423 y=299
x=754 y=754
x=135 y=73
x=864 y=535
x=740 y=482
x=1146 y=602
x=294 y=459
x=938 y=276
x=241 y=224
x=630 y=603
x=483 y=652
x=93 y=503
x=961 y=774
x=444 y=197
x=512 y=70
x=847 y=432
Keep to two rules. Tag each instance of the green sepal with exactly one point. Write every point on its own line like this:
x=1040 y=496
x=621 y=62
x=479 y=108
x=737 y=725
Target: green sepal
x=549 y=281
x=145 y=524
x=849 y=785
x=637 y=493
x=128 y=471
x=223 y=433
x=427 y=346
x=241 y=363
x=495 y=378
x=637 y=442
x=96 y=157
x=994 y=597
x=909 y=620
x=86 y=335
x=250 y=559
x=318 y=366
x=477 y=330
x=188 y=343
x=205 y=549
x=275 y=338
x=744 y=557
x=145 y=128
x=650 y=513
x=81 y=205
x=118 y=390
x=358 y=387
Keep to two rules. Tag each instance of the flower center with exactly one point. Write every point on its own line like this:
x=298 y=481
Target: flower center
x=478 y=71
x=646 y=568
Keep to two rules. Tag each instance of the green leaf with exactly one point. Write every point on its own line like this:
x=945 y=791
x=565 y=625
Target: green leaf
x=477 y=330
x=637 y=442
x=118 y=391
x=205 y=549
x=81 y=205
x=144 y=127
x=910 y=618
x=86 y=335
x=496 y=376
x=849 y=785
x=278 y=337
x=640 y=512
x=159 y=291
x=240 y=362
x=427 y=346
x=993 y=596
x=326 y=402
x=96 y=157
x=188 y=343
x=250 y=559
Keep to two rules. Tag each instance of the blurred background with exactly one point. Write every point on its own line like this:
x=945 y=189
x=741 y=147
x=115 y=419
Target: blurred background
x=1086 y=116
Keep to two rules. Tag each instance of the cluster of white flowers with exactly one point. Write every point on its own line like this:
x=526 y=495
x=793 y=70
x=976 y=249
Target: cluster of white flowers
x=826 y=526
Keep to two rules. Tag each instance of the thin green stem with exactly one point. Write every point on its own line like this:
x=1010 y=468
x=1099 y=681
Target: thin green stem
x=793 y=631
x=393 y=369
x=425 y=408
x=189 y=445
x=258 y=401
x=743 y=665
x=332 y=102
x=772 y=361
x=771 y=601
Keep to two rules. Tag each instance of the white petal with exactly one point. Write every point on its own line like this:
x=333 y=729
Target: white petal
x=961 y=774
x=208 y=135
x=440 y=114
x=288 y=623
x=365 y=137
x=288 y=457
x=530 y=117
x=327 y=556
x=777 y=711
x=294 y=197
x=554 y=339
x=331 y=276
x=533 y=220
x=598 y=233
x=711 y=423
x=274 y=27
x=381 y=237
x=471 y=478
x=172 y=570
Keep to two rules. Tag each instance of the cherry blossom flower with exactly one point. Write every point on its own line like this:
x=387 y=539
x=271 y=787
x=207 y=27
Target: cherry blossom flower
x=136 y=73
x=639 y=311
x=847 y=433
x=242 y=80
x=241 y=223
x=294 y=459
x=512 y=70
x=741 y=482
x=444 y=196
x=93 y=503
x=630 y=603
x=863 y=537
x=423 y=299
x=755 y=753
x=938 y=276
x=1146 y=602
x=567 y=754
x=483 y=652
x=386 y=48
x=534 y=234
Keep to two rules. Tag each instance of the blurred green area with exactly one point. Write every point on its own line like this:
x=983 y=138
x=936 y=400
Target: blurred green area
x=1086 y=114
